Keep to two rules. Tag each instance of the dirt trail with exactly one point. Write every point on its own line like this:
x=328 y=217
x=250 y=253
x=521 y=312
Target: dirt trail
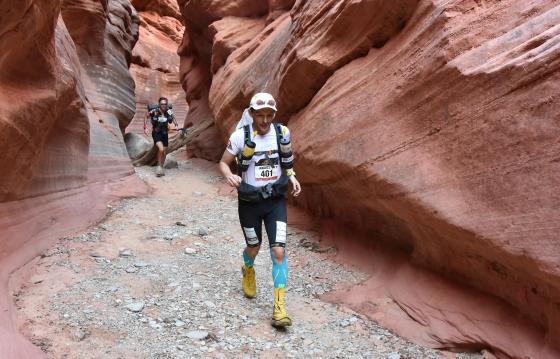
x=159 y=277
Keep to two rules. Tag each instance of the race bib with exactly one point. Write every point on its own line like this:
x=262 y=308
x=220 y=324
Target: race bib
x=162 y=119
x=265 y=172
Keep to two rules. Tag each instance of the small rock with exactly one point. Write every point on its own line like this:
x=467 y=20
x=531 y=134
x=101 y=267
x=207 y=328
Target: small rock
x=135 y=307
x=131 y=270
x=394 y=356
x=202 y=232
x=95 y=255
x=179 y=323
x=154 y=325
x=170 y=163
x=125 y=253
x=197 y=194
x=180 y=224
x=190 y=250
x=197 y=334
x=140 y=264
x=78 y=335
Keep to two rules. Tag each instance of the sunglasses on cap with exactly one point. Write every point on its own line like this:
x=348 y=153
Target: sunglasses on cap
x=269 y=103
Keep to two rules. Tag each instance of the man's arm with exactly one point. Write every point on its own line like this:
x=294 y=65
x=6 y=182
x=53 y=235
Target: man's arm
x=225 y=163
x=146 y=123
x=296 y=186
x=171 y=118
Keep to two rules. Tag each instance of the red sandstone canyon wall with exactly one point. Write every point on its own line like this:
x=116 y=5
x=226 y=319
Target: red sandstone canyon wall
x=431 y=125
x=155 y=62
x=65 y=97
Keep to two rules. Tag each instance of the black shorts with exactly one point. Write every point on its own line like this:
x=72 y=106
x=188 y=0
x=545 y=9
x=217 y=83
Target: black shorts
x=273 y=212
x=160 y=136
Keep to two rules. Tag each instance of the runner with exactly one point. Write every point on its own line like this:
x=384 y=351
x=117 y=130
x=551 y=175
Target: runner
x=265 y=163
x=160 y=118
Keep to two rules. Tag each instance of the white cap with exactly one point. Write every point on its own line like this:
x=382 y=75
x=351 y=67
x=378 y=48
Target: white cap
x=263 y=100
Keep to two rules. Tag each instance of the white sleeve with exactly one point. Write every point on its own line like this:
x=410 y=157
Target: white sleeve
x=235 y=143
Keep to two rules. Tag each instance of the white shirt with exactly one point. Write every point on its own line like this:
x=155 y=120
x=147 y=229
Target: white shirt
x=265 y=164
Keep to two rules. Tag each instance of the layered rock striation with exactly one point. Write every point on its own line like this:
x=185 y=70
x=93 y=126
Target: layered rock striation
x=66 y=95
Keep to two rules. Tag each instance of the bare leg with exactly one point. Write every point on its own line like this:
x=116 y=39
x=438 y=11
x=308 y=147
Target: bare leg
x=161 y=153
x=252 y=252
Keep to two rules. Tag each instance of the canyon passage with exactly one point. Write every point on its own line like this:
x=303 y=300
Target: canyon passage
x=426 y=139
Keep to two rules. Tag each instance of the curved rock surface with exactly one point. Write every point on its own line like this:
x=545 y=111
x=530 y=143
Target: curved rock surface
x=430 y=125
x=65 y=96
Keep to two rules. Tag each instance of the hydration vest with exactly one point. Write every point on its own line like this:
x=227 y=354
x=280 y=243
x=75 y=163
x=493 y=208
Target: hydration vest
x=284 y=149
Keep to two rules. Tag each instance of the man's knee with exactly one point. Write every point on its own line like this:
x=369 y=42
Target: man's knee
x=278 y=254
x=253 y=251
x=160 y=146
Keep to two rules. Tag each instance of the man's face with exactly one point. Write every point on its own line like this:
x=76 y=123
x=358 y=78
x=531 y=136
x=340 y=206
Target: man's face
x=262 y=119
x=163 y=105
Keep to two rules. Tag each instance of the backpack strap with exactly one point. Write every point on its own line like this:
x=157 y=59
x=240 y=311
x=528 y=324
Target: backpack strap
x=247 y=133
x=279 y=134
x=284 y=149
x=240 y=159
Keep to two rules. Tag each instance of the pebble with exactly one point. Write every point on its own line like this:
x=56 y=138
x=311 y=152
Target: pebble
x=135 y=307
x=190 y=250
x=140 y=264
x=202 y=232
x=95 y=255
x=125 y=253
x=394 y=356
x=78 y=335
x=131 y=270
x=197 y=334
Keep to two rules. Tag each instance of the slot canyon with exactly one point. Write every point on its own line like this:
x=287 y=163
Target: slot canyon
x=426 y=136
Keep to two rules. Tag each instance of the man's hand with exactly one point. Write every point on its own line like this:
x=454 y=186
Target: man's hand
x=296 y=186
x=234 y=181
x=146 y=131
